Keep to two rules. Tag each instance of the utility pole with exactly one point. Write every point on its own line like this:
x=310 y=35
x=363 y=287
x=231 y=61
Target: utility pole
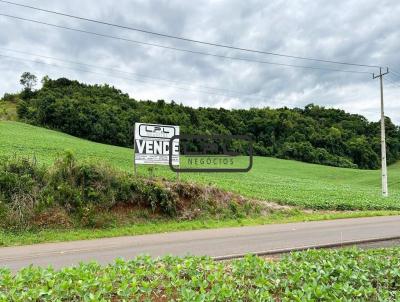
x=385 y=192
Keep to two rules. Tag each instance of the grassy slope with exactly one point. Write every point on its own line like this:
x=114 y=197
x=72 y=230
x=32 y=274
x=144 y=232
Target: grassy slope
x=284 y=181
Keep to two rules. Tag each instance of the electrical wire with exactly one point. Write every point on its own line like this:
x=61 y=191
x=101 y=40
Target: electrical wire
x=181 y=49
x=392 y=82
x=126 y=72
x=395 y=72
x=393 y=76
x=187 y=39
x=18 y=59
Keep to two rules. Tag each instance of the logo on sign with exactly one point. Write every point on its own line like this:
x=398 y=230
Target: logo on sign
x=156 y=131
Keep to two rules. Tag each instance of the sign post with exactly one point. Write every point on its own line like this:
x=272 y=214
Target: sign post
x=152 y=145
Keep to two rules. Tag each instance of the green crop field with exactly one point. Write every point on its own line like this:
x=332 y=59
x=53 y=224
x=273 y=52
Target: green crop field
x=283 y=181
x=332 y=275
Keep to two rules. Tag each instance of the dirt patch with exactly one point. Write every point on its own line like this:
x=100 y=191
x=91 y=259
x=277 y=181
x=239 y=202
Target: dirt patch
x=52 y=217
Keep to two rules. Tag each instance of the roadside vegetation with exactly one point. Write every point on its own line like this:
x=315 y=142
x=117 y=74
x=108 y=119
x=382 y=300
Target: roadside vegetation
x=75 y=199
x=71 y=194
x=148 y=224
x=329 y=275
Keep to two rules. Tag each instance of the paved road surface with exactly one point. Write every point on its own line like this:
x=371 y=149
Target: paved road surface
x=215 y=242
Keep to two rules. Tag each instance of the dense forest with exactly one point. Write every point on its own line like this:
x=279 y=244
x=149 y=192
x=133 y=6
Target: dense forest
x=104 y=114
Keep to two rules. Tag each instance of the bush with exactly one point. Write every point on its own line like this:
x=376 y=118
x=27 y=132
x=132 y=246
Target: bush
x=21 y=184
x=27 y=189
x=10 y=98
x=90 y=194
x=19 y=176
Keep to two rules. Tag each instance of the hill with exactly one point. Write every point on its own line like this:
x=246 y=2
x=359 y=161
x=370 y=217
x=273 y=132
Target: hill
x=312 y=134
x=283 y=181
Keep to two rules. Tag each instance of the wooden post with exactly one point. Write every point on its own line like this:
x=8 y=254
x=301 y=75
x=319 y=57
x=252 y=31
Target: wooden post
x=134 y=164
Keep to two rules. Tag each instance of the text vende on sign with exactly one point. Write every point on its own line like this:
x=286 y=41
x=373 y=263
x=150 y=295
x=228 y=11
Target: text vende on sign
x=152 y=143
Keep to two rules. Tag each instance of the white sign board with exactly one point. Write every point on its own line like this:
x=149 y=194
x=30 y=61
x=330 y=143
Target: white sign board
x=152 y=144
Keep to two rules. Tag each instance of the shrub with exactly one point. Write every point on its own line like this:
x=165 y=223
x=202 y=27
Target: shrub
x=20 y=175
x=21 y=184
x=28 y=190
x=86 y=194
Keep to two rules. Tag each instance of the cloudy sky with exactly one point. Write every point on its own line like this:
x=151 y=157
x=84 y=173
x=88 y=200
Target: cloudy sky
x=364 y=31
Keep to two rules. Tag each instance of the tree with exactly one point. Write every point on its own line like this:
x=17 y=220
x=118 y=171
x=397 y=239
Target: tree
x=28 y=80
x=45 y=80
x=314 y=134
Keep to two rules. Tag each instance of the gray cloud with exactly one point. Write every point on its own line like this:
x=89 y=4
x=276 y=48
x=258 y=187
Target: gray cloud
x=356 y=31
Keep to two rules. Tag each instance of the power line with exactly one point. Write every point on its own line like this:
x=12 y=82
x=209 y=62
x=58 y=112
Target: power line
x=126 y=72
x=187 y=39
x=395 y=72
x=392 y=82
x=181 y=49
x=112 y=69
x=393 y=76
x=112 y=76
x=93 y=72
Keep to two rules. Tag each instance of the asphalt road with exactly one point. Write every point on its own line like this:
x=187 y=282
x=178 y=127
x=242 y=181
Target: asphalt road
x=213 y=242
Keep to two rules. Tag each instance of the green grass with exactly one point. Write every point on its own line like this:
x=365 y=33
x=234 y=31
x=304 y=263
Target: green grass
x=170 y=225
x=283 y=181
x=322 y=275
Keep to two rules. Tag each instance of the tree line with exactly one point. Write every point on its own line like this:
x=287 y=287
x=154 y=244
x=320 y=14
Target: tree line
x=105 y=114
